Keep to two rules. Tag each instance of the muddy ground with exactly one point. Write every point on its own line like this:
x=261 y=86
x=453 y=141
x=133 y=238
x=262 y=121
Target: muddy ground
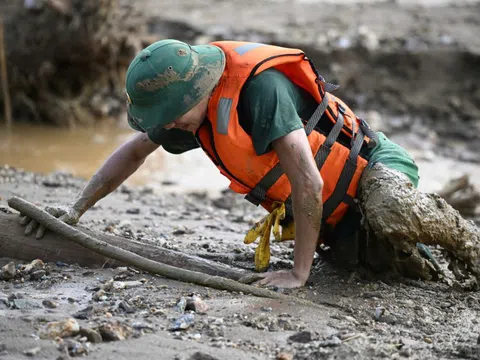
x=359 y=317
x=428 y=61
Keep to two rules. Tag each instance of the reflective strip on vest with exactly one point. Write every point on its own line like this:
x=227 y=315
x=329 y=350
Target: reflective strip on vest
x=223 y=111
x=241 y=50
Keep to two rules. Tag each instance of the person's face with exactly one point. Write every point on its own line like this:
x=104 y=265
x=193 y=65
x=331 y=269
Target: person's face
x=192 y=120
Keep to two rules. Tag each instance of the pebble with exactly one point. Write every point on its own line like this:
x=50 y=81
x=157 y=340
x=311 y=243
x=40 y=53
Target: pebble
x=302 y=337
x=120 y=285
x=266 y=309
x=32 y=352
x=114 y=331
x=333 y=342
x=284 y=356
x=49 y=304
x=92 y=335
x=183 y=322
x=196 y=304
x=8 y=271
x=66 y=328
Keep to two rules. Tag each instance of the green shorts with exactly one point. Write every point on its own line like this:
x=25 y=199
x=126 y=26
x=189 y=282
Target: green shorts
x=394 y=157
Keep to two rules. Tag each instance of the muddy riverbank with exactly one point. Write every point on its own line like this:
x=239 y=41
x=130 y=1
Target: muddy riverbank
x=363 y=317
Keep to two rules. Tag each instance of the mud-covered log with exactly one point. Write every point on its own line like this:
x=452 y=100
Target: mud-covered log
x=53 y=247
x=66 y=59
x=397 y=212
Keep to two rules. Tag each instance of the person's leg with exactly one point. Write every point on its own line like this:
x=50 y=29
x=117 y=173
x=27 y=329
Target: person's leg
x=395 y=210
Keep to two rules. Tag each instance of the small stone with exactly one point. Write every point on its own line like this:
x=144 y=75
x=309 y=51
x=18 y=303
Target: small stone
x=406 y=352
x=266 y=309
x=114 y=331
x=49 y=304
x=37 y=275
x=379 y=311
x=99 y=295
x=302 y=337
x=92 y=335
x=33 y=352
x=67 y=328
x=333 y=342
x=284 y=356
x=119 y=285
x=183 y=322
x=133 y=211
x=201 y=356
x=196 y=304
x=8 y=271
x=76 y=348
x=35 y=265
x=428 y=340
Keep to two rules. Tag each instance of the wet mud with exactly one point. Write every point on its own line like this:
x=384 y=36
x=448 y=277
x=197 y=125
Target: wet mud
x=364 y=316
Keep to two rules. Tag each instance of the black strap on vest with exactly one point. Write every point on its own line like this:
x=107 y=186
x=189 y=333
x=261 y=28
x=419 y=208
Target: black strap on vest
x=258 y=194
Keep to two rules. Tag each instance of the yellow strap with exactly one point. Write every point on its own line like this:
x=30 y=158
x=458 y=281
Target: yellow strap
x=263 y=229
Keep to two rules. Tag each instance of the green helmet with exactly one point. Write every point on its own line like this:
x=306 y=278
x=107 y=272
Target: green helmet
x=167 y=79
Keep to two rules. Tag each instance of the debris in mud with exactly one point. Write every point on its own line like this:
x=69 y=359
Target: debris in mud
x=201 y=356
x=197 y=305
x=8 y=271
x=183 y=322
x=32 y=352
x=92 y=335
x=301 y=337
x=115 y=331
x=66 y=328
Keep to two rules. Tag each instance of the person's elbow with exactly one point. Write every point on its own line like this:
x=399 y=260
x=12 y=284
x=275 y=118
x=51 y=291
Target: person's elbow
x=310 y=183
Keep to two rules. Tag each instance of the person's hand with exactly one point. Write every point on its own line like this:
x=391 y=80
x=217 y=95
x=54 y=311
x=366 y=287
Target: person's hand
x=68 y=215
x=280 y=279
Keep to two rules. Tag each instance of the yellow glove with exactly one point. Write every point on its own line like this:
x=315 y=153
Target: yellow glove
x=263 y=229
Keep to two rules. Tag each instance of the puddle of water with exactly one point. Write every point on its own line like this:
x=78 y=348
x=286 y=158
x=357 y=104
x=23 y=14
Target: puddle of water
x=82 y=151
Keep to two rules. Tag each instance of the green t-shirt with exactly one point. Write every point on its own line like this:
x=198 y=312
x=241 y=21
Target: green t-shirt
x=271 y=106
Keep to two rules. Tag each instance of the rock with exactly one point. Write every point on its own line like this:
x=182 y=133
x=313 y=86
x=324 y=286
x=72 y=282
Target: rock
x=37 y=275
x=114 y=331
x=67 y=328
x=8 y=271
x=181 y=305
x=49 y=304
x=266 y=309
x=119 y=285
x=406 y=351
x=302 y=337
x=183 y=322
x=196 y=304
x=284 y=356
x=333 y=342
x=379 y=311
x=133 y=211
x=76 y=348
x=201 y=356
x=99 y=295
x=32 y=352
x=35 y=265
x=92 y=335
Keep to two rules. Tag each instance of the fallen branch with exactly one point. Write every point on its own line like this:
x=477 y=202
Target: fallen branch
x=53 y=247
x=130 y=258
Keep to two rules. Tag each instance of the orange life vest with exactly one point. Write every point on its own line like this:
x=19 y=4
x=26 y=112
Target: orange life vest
x=260 y=177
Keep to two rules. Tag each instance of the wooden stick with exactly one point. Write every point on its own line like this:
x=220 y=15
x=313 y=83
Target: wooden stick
x=54 y=247
x=140 y=262
x=3 y=68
